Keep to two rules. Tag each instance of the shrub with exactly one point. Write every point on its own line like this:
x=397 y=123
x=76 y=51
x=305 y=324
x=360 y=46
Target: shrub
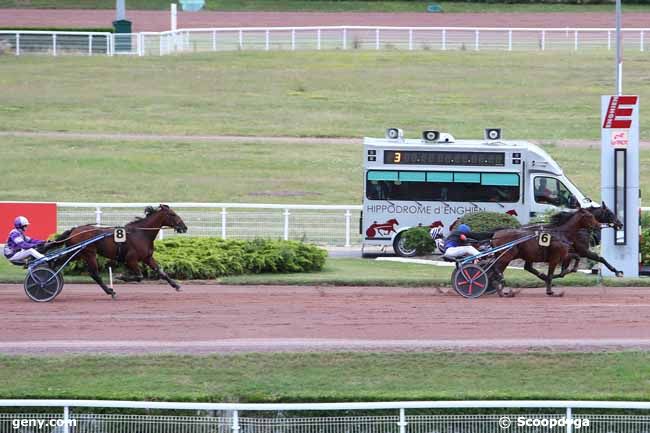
x=419 y=238
x=488 y=221
x=208 y=258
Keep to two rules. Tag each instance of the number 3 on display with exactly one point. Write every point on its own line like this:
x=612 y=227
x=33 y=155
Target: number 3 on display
x=119 y=234
x=398 y=157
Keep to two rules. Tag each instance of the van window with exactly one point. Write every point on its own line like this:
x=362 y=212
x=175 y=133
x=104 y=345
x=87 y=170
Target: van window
x=442 y=186
x=549 y=190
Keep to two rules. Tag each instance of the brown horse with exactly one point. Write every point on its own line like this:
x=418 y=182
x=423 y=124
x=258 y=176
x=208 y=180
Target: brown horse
x=531 y=252
x=137 y=248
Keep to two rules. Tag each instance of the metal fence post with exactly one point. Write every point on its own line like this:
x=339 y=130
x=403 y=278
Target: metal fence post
x=575 y=41
x=543 y=40
x=223 y=222
x=376 y=39
x=293 y=39
x=66 y=419
x=318 y=39
x=642 y=42
x=345 y=38
x=444 y=39
x=98 y=216
x=569 y=419
x=266 y=40
x=410 y=39
x=241 y=39
x=214 y=40
x=476 y=39
x=140 y=38
x=18 y=44
x=609 y=40
x=286 y=224
x=235 y=421
x=90 y=44
x=348 y=216
x=54 y=44
x=509 y=40
x=402 y=421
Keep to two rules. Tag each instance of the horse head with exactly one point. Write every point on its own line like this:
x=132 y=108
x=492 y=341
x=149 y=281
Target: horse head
x=585 y=219
x=171 y=219
x=605 y=215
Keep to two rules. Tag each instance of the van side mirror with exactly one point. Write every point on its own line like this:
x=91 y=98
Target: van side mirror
x=573 y=203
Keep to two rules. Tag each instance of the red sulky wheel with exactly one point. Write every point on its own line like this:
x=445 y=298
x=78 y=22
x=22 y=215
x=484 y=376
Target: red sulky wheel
x=470 y=281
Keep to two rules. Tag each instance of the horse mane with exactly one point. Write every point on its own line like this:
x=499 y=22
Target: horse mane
x=148 y=211
x=560 y=218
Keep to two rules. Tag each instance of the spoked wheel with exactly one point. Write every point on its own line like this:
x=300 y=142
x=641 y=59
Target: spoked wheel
x=469 y=281
x=43 y=284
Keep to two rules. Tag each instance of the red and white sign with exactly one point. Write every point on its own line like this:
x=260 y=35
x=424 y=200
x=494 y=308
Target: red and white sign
x=619 y=112
x=620 y=138
x=41 y=216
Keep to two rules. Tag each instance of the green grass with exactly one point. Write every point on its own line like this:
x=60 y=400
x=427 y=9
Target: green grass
x=139 y=171
x=325 y=6
x=356 y=272
x=537 y=95
x=331 y=377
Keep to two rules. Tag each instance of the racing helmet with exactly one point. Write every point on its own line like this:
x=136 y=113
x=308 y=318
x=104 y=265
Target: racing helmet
x=21 y=222
x=464 y=228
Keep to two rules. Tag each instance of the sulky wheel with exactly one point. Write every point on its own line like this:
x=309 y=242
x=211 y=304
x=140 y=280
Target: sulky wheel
x=469 y=281
x=43 y=284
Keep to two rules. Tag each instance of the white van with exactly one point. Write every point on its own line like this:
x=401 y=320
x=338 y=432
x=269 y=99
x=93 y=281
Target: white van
x=435 y=180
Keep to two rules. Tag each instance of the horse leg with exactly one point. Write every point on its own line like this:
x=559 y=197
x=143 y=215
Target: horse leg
x=549 y=279
x=93 y=270
x=593 y=256
x=565 y=265
x=134 y=273
x=529 y=267
x=149 y=261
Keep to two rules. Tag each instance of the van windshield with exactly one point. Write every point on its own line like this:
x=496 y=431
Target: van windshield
x=442 y=186
x=549 y=190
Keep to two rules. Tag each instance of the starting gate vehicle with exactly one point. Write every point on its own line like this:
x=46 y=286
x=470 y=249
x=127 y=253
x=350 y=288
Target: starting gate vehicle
x=435 y=180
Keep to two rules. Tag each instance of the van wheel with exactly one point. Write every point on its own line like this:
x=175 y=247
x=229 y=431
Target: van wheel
x=400 y=248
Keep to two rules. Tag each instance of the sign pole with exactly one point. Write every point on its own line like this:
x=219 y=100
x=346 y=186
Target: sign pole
x=619 y=56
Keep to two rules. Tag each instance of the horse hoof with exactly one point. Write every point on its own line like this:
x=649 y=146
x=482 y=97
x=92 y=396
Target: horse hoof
x=619 y=274
x=113 y=296
x=178 y=288
x=555 y=294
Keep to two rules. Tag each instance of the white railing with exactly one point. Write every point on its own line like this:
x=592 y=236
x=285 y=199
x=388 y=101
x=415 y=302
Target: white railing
x=320 y=38
x=74 y=417
x=322 y=224
x=21 y=42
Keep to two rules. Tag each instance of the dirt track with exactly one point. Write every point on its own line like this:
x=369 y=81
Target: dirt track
x=215 y=318
x=159 y=20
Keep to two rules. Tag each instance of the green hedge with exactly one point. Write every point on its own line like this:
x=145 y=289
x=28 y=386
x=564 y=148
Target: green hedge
x=420 y=239
x=188 y=258
x=487 y=221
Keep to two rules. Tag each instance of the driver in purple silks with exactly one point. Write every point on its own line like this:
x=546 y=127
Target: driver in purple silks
x=19 y=246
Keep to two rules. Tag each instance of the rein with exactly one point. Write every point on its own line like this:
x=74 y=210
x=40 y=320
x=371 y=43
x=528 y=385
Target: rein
x=107 y=227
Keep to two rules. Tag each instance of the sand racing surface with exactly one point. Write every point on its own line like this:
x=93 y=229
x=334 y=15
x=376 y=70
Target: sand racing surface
x=150 y=318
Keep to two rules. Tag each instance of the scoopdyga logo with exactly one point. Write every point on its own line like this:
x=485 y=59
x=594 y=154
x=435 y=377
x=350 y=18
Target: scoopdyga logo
x=619 y=138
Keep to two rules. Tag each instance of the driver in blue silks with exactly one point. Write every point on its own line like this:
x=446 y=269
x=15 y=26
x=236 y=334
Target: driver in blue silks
x=457 y=243
x=19 y=246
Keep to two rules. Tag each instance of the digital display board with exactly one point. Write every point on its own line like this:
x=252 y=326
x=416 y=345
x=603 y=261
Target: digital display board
x=422 y=157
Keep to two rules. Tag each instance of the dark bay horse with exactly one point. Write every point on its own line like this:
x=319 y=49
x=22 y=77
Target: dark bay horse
x=584 y=237
x=562 y=238
x=138 y=247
